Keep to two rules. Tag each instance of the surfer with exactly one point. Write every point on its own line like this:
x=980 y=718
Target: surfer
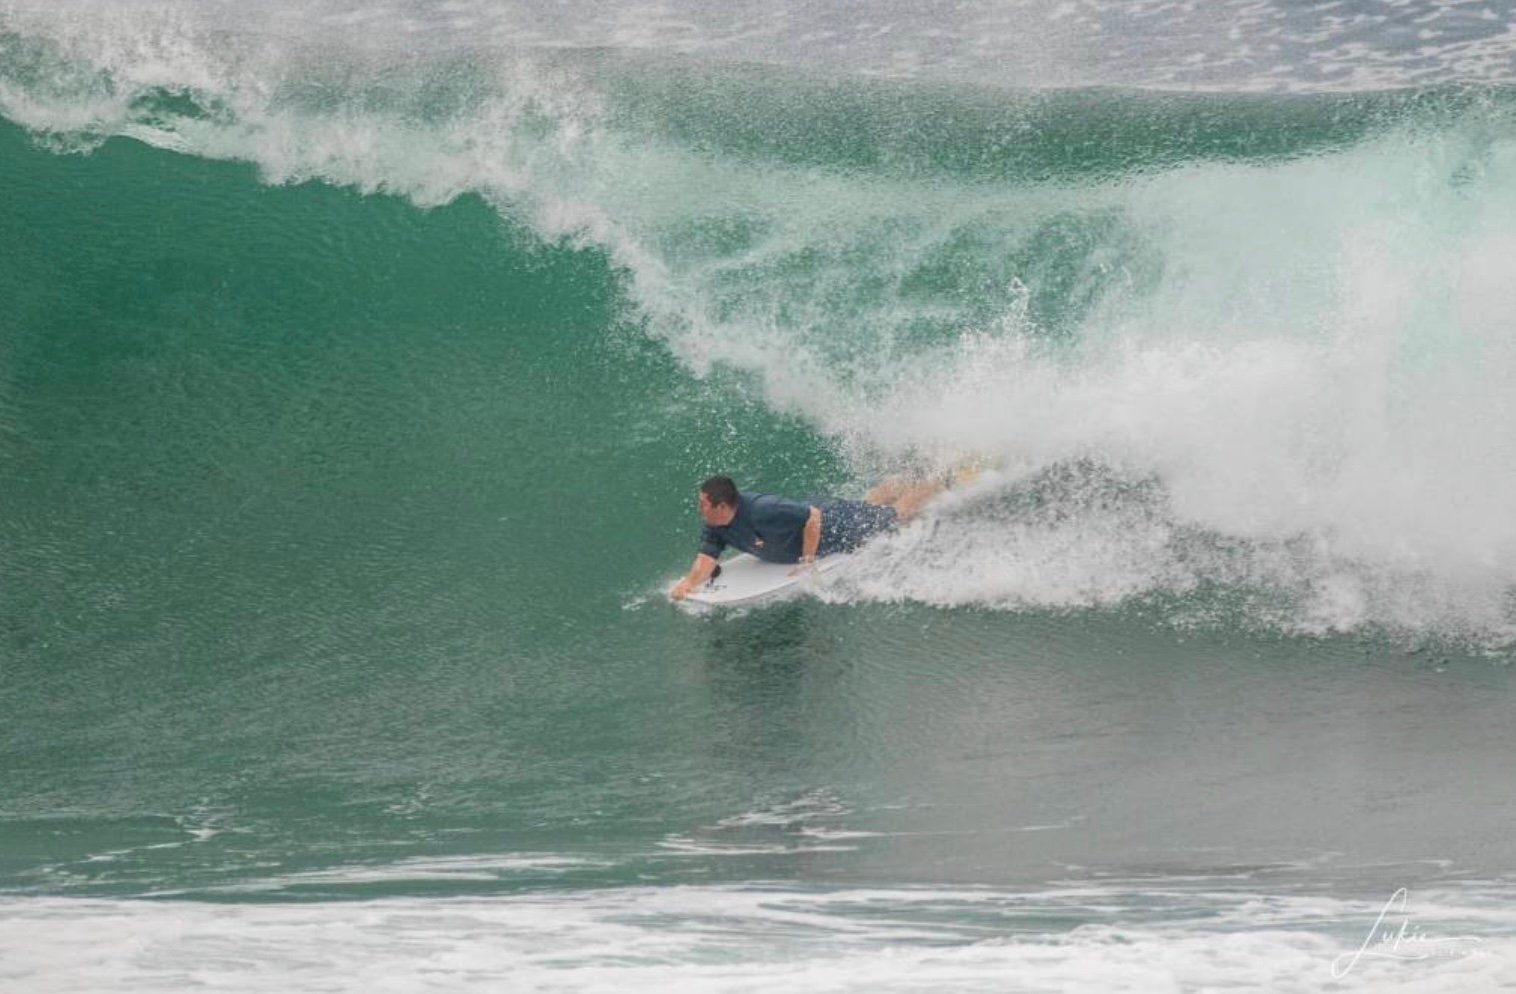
x=777 y=530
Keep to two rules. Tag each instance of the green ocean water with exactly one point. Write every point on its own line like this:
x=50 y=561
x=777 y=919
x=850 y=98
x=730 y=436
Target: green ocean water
x=350 y=416
x=231 y=489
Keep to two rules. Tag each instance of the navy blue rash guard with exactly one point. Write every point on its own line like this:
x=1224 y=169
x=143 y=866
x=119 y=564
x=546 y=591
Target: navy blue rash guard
x=773 y=529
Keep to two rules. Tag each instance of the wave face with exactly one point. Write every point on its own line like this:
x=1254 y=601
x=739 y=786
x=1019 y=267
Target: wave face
x=1240 y=354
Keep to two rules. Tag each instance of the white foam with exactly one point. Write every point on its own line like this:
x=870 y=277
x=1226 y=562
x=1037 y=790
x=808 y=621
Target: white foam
x=715 y=939
x=1335 y=399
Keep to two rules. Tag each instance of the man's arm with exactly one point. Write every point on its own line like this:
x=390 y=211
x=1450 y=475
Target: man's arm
x=700 y=571
x=810 y=538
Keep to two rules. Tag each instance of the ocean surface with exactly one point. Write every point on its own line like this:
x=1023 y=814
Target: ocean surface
x=358 y=363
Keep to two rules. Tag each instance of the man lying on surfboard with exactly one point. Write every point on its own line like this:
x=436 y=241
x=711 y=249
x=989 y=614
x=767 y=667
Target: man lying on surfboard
x=777 y=530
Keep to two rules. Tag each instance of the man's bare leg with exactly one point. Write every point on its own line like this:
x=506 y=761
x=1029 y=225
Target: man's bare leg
x=912 y=498
x=888 y=491
x=908 y=496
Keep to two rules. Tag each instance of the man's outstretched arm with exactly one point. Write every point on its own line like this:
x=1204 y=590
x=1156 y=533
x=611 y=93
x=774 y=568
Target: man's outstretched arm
x=700 y=571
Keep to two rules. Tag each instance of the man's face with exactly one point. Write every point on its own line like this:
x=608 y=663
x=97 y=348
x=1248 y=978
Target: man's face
x=714 y=514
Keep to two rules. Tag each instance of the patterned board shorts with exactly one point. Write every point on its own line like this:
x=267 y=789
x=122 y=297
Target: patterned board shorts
x=847 y=524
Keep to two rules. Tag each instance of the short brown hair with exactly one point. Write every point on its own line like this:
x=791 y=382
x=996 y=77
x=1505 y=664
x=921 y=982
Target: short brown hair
x=720 y=490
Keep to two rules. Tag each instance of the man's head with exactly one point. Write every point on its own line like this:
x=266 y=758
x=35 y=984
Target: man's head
x=718 y=500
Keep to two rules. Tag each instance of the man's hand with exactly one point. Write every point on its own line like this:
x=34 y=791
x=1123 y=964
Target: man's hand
x=700 y=572
x=806 y=563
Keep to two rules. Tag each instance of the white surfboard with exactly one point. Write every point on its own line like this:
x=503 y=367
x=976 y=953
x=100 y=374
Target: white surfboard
x=747 y=581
